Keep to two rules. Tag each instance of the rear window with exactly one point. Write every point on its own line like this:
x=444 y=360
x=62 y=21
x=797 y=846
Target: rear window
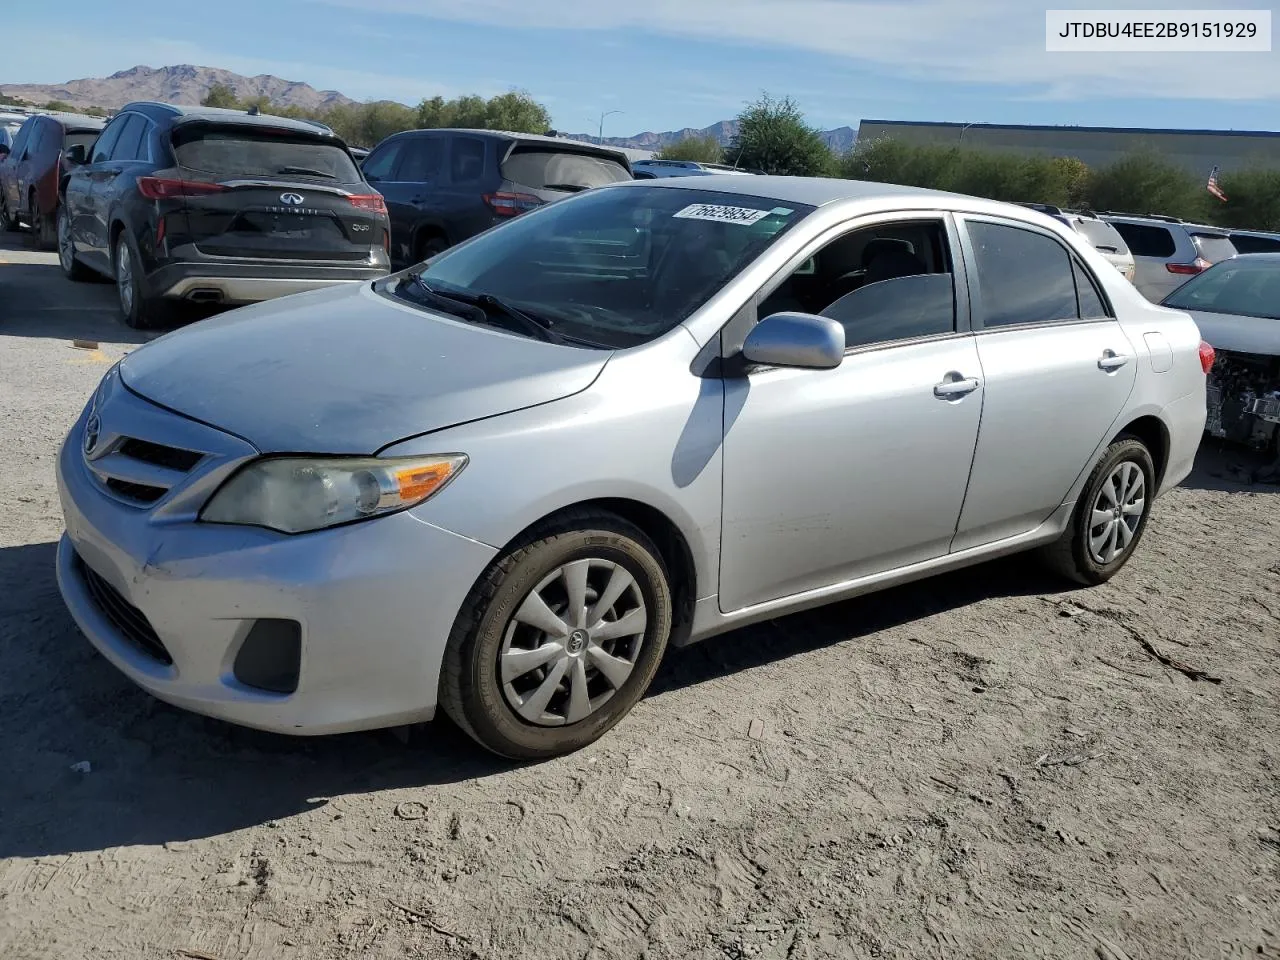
x=1102 y=235
x=1247 y=243
x=82 y=138
x=1214 y=247
x=260 y=153
x=558 y=169
x=1147 y=241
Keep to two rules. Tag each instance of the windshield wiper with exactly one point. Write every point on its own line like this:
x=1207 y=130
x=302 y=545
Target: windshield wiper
x=571 y=187
x=539 y=327
x=306 y=172
x=429 y=296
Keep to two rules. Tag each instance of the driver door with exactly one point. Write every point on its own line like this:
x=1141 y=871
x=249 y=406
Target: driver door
x=834 y=475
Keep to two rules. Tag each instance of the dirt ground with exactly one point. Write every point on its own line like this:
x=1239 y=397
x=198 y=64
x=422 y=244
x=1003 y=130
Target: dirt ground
x=983 y=765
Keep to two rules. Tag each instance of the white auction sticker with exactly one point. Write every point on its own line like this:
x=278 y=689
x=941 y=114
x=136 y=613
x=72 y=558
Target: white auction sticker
x=721 y=214
x=1156 y=31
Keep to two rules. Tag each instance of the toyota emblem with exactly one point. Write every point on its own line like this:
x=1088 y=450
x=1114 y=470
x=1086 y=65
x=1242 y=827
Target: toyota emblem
x=292 y=199
x=92 y=428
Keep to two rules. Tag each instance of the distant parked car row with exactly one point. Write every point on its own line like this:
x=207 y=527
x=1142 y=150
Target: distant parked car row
x=31 y=165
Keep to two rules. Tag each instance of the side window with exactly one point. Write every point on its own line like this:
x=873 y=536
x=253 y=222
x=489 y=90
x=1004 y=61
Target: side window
x=39 y=135
x=1092 y=306
x=379 y=164
x=421 y=161
x=1147 y=241
x=467 y=162
x=1023 y=277
x=102 y=146
x=130 y=139
x=883 y=283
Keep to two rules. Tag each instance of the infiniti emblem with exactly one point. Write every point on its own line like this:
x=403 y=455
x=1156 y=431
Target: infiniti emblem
x=292 y=199
x=92 y=427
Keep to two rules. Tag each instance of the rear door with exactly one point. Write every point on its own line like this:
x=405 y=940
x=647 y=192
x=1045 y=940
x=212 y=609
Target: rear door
x=406 y=171
x=273 y=194
x=1058 y=370
x=28 y=161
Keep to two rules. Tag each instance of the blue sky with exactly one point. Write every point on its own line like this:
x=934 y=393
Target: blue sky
x=666 y=64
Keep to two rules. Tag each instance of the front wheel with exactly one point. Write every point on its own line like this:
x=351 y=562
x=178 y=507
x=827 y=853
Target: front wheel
x=559 y=639
x=72 y=268
x=1110 y=516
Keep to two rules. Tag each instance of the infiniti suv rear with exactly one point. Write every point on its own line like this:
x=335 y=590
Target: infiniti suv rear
x=218 y=206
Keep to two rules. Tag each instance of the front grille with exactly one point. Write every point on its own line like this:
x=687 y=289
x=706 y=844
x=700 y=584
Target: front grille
x=124 y=616
x=141 y=492
x=173 y=458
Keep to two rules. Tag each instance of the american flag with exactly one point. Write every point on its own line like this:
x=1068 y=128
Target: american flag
x=1212 y=185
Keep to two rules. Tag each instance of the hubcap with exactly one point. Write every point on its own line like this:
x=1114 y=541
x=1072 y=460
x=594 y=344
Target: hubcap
x=124 y=276
x=1117 y=512
x=65 y=252
x=572 y=643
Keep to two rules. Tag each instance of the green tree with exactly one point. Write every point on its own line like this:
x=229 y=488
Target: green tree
x=59 y=106
x=221 y=95
x=1253 y=200
x=774 y=137
x=1144 y=182
x=699 y=149
x=517 y=111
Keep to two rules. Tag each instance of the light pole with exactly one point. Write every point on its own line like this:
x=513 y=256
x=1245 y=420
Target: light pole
x=600 y=132
x=962 y=130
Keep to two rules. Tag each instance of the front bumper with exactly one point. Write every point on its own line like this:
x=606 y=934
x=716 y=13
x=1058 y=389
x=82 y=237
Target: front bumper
x=375 y=600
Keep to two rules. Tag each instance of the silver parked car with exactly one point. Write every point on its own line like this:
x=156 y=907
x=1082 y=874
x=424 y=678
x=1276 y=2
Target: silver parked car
x=1168 y=251
x=505 y=481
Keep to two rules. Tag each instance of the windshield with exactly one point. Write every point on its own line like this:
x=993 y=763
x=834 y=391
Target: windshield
x=1239 y=286
x=615 y=266
x=240 y=151
x=542 y=169
x=1102 y=235
x=1214 y=247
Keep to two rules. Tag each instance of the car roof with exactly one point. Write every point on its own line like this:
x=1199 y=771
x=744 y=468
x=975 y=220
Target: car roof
x=192 y=114
x=1255 y=233
x=514 y=135
x=73 y=122
x=816 y=191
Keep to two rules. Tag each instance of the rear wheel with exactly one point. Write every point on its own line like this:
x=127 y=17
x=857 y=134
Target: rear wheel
x=559 y=639
x=44 y=230
x=71 y=267
x=429 y=246
x=1110 y=516
x=137 y=310
x=8 y=221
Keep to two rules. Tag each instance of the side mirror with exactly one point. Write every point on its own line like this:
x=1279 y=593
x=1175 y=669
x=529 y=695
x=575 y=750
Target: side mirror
x=4 y=150
x=796 y=340
x=75 y=155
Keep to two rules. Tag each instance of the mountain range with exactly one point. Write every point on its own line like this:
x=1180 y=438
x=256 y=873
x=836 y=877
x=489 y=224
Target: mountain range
x=189 y=84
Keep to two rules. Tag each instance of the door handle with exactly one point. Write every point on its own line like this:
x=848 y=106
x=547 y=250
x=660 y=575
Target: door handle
x=954 y=389
x=1110 y=360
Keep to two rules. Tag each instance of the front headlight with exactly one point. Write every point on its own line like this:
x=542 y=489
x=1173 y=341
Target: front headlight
x=297 y=494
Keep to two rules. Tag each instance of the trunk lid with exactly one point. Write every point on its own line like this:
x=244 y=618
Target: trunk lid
x=275 y=195
x=348 y=371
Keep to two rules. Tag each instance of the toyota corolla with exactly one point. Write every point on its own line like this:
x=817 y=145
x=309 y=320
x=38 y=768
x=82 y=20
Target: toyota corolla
x=505 y=481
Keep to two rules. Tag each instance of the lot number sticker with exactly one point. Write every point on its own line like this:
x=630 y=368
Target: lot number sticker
x=720 y=214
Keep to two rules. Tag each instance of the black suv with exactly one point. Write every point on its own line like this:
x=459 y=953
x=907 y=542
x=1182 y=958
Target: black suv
x=216 y=206
x=444 y=186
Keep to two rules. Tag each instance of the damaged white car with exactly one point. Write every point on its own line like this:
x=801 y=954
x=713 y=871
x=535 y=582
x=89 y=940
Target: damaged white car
x=1236 y=304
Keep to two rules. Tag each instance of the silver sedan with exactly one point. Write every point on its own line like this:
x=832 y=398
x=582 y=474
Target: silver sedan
x=505 y=481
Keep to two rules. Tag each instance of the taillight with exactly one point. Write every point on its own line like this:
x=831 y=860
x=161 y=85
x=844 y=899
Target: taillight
x=372 y=202
x=1198 y=265
x=1206 y=356
x=511 y=204
x=160 y=228
x=166 y=188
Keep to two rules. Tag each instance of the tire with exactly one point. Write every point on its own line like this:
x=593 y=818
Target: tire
x=429 y=246
x=72 y=268
x=484 y=702
x=8 y=222
x=1075 y=554
x=137 y=310
x=44 y=230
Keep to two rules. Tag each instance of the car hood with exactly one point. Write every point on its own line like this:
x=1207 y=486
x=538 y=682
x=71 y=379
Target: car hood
x=348 y=371
x=1225 y=331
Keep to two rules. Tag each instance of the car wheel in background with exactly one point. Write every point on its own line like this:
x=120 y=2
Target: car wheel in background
x=71 y=267
x=429 y=246
x=8 y=222
x=136 y=309
x=560 y=637
x=44 y=231
x=1110 y=515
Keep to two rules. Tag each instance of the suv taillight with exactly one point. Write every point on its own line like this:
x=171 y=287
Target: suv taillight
x=1198 y=265
x=1206 y=356
x=165 y=188
x=372 y=202
x=511 y=204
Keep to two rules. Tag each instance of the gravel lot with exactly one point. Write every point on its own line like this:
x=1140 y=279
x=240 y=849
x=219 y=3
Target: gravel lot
x=983 y=765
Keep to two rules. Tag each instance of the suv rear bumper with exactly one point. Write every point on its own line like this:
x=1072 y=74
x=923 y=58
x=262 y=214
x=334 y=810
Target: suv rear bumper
x=250 y=281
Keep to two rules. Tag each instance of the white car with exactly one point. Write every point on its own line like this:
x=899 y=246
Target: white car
x=1167 y=252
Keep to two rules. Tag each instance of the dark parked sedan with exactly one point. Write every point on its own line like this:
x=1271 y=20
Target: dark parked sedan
x=33 y=167
x=218 y=206
x=445 y=186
